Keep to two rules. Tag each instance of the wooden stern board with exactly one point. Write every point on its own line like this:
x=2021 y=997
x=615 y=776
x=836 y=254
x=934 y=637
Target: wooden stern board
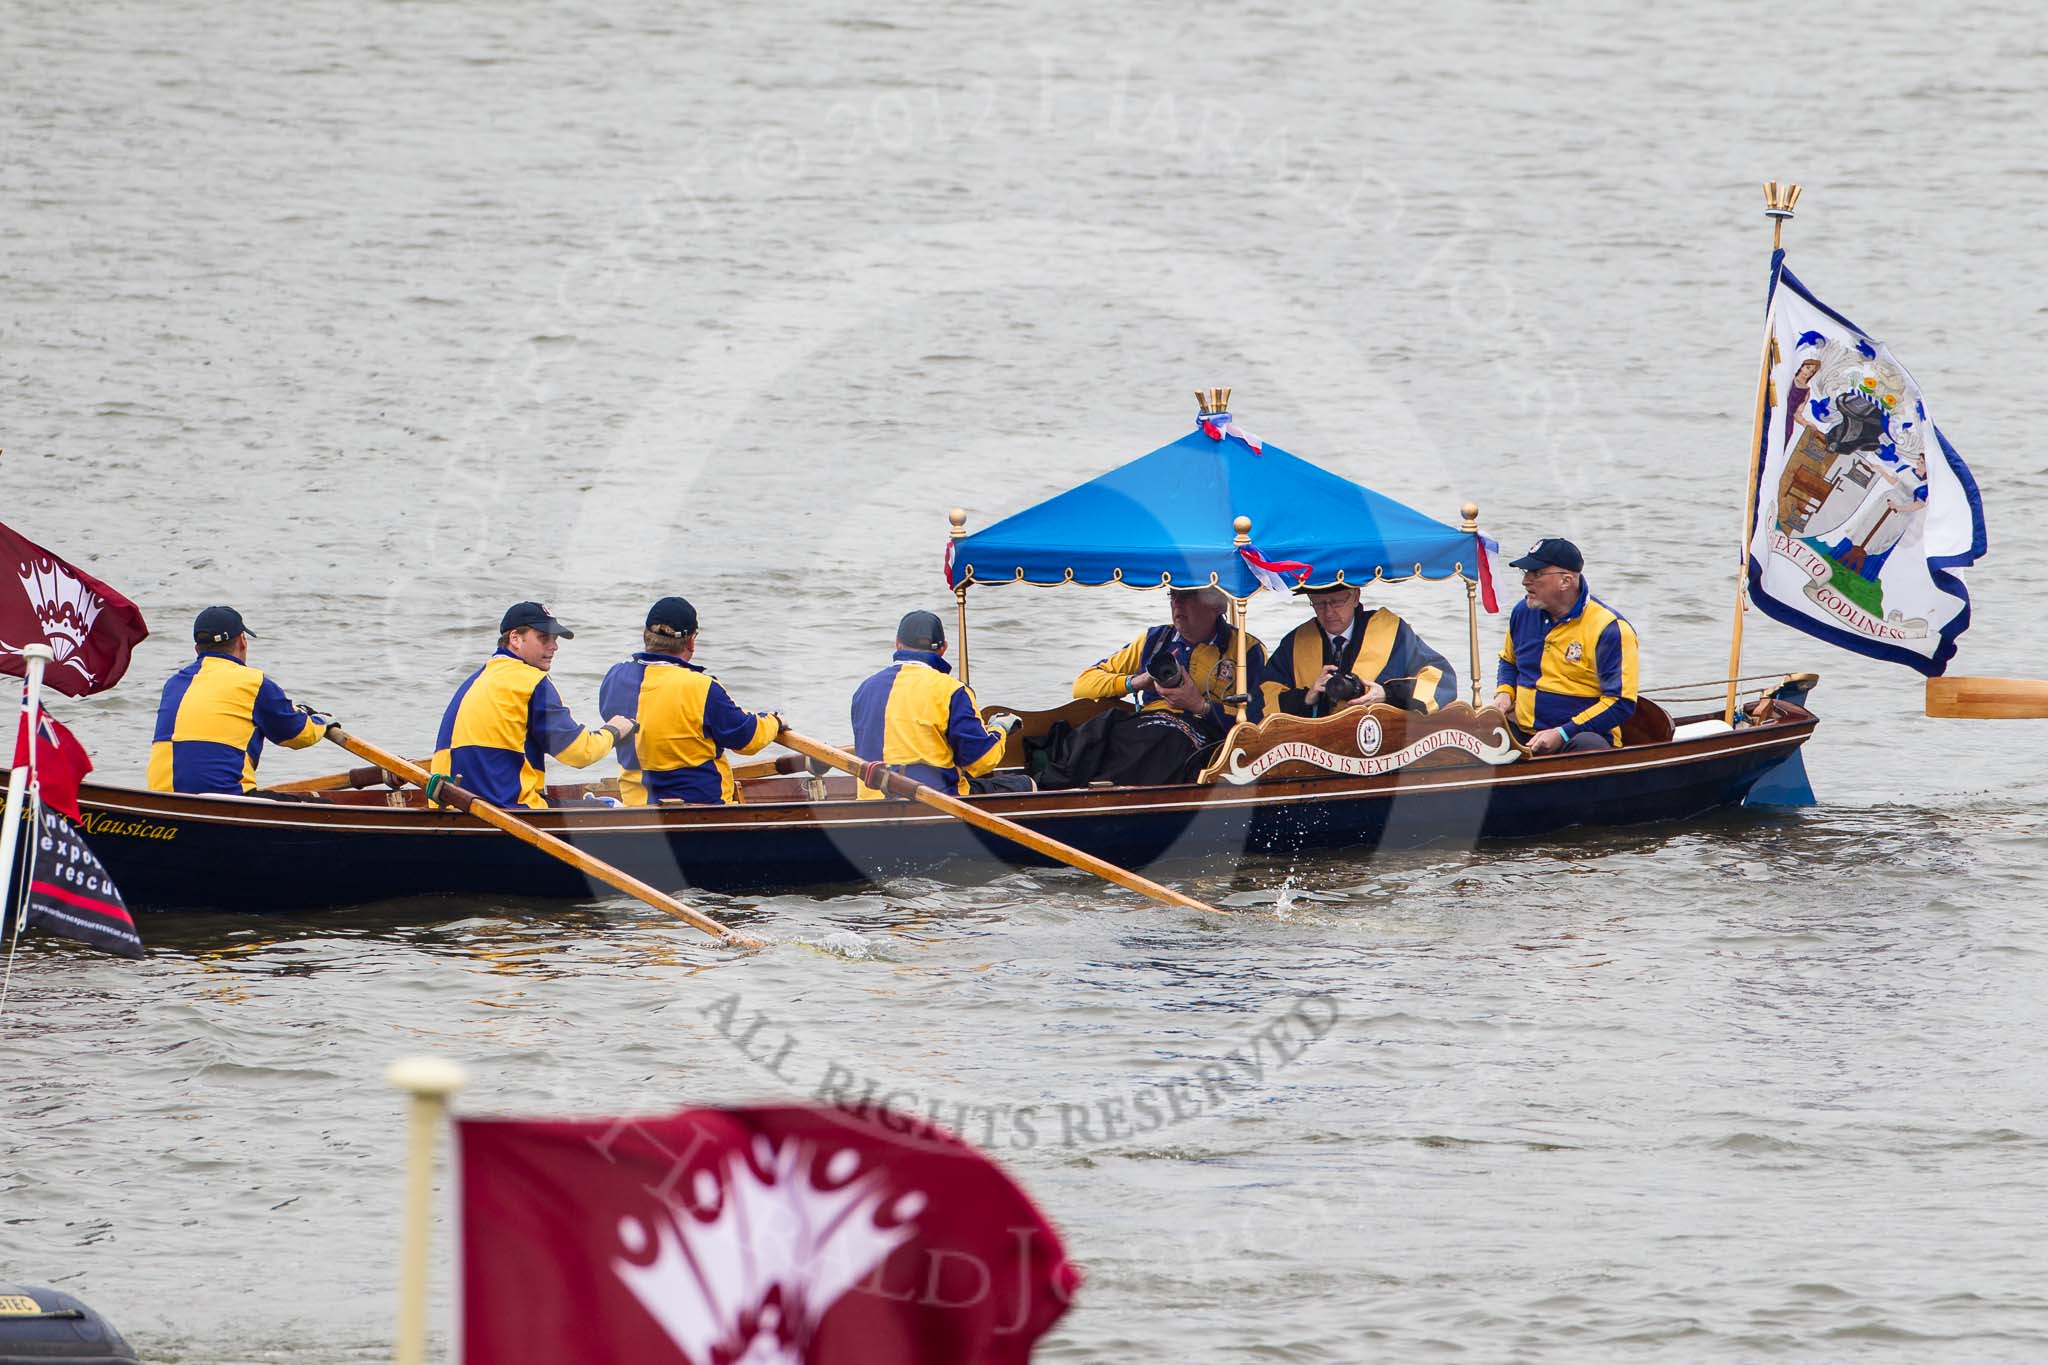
x=1370 y=741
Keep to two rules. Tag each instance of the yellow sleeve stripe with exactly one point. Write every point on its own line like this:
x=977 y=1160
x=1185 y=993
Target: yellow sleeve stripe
x=1425 y=687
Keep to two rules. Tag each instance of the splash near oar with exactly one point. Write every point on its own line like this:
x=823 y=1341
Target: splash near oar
x=896 y=784
x=447 y=793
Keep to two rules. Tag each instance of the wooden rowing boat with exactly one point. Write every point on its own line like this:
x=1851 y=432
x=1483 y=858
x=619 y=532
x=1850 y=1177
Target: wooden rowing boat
x=1384 y=778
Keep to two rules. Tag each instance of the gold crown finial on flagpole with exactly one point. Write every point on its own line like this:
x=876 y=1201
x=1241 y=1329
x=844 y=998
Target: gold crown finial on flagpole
x=1779 y=201
x=1212 y=400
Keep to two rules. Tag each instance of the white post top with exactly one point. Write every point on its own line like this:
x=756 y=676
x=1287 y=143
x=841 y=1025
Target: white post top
x=43 y=652
x=427 y=1077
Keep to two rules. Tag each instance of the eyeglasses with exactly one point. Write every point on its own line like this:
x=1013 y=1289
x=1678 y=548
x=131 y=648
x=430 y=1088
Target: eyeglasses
x=1531 y=575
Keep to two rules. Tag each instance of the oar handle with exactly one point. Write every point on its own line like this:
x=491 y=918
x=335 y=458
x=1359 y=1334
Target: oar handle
x=440 y=788
x=887 y=779
x=353 y=780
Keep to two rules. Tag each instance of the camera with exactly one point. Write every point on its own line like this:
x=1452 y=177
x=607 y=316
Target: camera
x=1165 y=669
x=1342 y=688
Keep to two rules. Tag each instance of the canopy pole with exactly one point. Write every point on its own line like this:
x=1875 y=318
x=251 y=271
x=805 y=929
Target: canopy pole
x=1470 y=527
x=1778 y=204
x=1243 y=527
x=958 y=517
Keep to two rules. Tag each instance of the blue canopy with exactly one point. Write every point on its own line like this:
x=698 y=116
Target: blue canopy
x=1167 y=518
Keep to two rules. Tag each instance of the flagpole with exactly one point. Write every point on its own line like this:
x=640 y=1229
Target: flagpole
x=35 y=657
x=958 y=519
x=429 y=1081
x=1242 y=526
x=1778 y=204
x=1470 y=526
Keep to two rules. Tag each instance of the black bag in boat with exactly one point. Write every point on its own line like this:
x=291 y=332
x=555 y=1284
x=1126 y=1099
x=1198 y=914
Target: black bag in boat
x=39 y=1326
x=1145 y=749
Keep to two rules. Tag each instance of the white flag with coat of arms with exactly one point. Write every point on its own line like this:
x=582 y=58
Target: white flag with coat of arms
x=1864 y=513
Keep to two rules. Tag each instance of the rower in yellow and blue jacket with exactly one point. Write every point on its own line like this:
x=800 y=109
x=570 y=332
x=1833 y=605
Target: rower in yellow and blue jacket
x=506 y=719
x=217 y=711
x=1567 y=676
x=687 y=720
x=915 y=717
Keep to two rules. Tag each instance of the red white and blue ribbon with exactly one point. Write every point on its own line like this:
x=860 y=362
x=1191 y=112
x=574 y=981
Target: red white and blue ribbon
x=1486 y=597
x=1219 y=426
x=1269 y=571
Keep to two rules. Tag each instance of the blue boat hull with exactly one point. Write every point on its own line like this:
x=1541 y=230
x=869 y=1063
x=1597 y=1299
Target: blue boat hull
x=222 y=853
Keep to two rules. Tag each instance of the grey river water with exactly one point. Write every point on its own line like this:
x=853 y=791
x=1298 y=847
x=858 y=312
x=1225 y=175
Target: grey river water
x=372 y=318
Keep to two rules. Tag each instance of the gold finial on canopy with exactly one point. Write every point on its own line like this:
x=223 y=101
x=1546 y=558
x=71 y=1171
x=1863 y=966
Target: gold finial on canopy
x=1470 y=511
x=1243 y=527
x=958 y=516
x=1780 y=200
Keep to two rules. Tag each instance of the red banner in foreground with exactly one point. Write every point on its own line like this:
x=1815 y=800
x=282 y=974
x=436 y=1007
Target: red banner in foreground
x=771 y=1236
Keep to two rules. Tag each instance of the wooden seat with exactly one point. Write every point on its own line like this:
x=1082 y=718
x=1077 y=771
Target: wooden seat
x=1651 y=724
x=1035 y=724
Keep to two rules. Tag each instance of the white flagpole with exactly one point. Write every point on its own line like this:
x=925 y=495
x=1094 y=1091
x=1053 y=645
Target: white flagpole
x=429 y=1081
x=14 y=900
x=36 y=657
x=1778 y=205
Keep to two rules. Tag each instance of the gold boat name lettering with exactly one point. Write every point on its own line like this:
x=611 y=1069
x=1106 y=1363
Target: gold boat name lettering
x=96 y=823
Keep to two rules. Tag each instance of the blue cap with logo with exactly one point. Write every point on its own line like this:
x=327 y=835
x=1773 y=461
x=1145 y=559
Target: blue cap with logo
x=920 y=630
x=533 y=616
x=672 y=616
x=219 y=626
x=1551 y=552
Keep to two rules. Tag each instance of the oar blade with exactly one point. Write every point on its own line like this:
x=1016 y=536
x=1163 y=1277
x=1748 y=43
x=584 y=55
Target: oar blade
x=1965 y=698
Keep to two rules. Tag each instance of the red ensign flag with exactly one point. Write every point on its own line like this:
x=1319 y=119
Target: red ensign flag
x=61 y=764
x=88 y=626
x=773 y=1236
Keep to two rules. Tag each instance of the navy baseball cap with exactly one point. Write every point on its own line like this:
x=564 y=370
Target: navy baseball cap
x=1551 y=552
x=920 y=630
x=672 y=616
x=219 y=626
x=533 y=616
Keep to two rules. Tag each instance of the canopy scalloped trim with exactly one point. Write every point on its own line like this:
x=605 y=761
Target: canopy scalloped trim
x=1117 y=580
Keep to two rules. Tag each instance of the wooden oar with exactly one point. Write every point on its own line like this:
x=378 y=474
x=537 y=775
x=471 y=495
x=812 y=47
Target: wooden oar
x=352 y=780
x=768 y=767
x=900 y=785
x=1987 y=698
x=449 y=794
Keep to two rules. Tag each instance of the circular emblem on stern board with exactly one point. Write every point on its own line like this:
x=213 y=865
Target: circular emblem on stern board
x=1369 y=735
x=1574 y=652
